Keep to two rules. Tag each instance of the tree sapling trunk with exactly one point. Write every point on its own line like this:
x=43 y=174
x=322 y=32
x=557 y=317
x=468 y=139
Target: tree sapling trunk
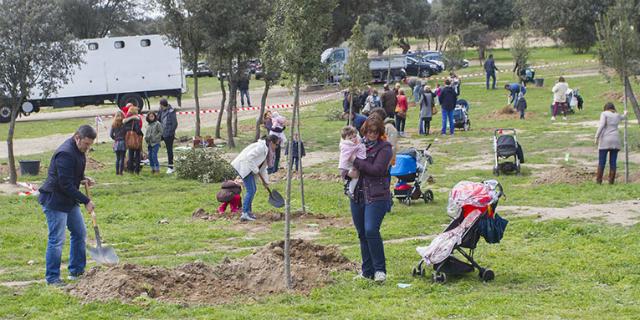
x=221 y=111
x=263 y=105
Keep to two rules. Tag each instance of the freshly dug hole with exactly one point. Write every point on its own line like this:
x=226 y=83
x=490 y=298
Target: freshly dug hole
x=570 y=175
x=258 y=274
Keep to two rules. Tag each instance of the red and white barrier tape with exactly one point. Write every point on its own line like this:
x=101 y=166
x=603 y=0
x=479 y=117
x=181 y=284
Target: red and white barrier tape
x=275 y=106
x=471 y=75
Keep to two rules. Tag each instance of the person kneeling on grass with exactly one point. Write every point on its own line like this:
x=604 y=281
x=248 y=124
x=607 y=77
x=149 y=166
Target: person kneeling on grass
x=229 y=195
x=254 y=160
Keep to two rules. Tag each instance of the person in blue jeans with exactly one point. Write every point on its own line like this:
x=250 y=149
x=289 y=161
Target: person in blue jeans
x=516 y=91
x=254 y=160
x=490 y=71
x=372 y=199
x=60 y=198
x=153 y=137
x=243 y=86
x=448 y=97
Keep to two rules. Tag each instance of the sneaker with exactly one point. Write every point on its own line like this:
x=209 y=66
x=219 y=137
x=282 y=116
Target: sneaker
x=380 y=277
x=58 y=283
x=253 y=216
x=361 y=276
x=564 y=118
x=74 y=277
x=246 y=217
x=170 y=170
x=553 y=118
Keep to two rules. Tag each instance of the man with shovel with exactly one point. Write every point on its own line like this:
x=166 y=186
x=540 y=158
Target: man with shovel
x=60 y=198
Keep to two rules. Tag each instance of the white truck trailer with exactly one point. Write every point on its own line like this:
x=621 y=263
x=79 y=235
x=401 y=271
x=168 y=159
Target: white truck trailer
x=119 y=70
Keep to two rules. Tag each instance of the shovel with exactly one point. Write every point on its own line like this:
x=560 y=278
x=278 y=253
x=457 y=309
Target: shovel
x=100 y=254
x=275 y=199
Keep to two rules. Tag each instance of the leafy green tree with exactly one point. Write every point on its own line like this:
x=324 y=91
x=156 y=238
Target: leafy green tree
x=357 y=67
x=578 y=19
x=479 y=36
x=35 y=54
x=377 y=36
x=95 y=18
x=619 y=49
x=184 y=28
x=234 y=31
x=299 y=38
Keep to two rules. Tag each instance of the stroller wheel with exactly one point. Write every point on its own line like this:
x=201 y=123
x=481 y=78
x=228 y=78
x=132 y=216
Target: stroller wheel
x=418 y=271
x=407 y=201
x=428 y=196
x=439 y=277
x=486 y=274
x=467 y=126
x=496 y=171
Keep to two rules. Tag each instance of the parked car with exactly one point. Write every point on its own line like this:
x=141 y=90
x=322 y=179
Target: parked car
x=438 y=57
x=203 y=70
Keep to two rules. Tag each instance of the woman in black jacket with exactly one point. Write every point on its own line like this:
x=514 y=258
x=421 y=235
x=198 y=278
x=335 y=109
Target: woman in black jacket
x=132 y=123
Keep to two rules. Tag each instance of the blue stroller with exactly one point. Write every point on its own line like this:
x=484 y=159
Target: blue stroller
x=461 y=115
x=411 y=166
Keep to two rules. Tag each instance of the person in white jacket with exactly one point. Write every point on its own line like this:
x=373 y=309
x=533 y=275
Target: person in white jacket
x=254 y=160
x=560 y=99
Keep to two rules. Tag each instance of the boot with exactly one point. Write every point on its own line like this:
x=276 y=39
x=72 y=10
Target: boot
x=612 y=176
x=599 y=175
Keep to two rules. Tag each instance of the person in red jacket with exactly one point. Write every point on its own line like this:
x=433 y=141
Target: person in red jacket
x=401 y=112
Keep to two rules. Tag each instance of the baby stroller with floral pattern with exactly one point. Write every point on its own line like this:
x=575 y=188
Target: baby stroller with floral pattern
x=472 y=207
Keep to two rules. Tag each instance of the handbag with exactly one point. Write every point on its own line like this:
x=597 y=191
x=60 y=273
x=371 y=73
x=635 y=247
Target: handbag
x=132 y=140
x=492 y=229
x=400 y=113
x=434 y=110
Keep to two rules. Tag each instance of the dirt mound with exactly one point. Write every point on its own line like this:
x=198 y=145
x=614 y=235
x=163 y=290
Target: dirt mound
x=93 y=164
x=613 y=96
x=259 y=274
x=565 y=174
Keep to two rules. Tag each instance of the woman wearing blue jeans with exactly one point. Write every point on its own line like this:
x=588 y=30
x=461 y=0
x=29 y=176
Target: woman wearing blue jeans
x=608 y=141
x=254 y=160
x=372 y=198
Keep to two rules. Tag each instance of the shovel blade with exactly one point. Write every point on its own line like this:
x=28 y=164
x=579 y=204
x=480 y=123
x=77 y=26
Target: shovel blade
x=104 y=255
x=276 y=199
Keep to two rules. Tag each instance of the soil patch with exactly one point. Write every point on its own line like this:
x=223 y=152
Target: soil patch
x=621 y=212
x=93 y=164
x=259 y=274
x=613 y=96
x=565 y=174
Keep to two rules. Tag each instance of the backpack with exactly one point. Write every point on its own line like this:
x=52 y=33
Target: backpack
x=132 y=140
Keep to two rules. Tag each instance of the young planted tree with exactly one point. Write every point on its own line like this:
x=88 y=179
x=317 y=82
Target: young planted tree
x=217 y=65
x=271 y=70
x=619 y=49
x=184 y=29
x=357 y=67
x=35 y=55
x=454 y=55
x=299 y=37
x=520 y=49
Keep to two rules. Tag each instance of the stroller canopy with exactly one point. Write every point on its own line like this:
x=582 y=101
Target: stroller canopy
x=405 y=165
x=467 y=196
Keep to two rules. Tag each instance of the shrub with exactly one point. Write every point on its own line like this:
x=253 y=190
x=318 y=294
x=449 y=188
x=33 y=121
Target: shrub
x=204 y=165
x=334 y=115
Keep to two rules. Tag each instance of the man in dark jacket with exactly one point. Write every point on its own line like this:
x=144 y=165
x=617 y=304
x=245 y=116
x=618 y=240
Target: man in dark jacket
x=490 y=70
x=243 y=86
x=60 y=198
x=448 y=98
x=389 y=101
x=167 y=116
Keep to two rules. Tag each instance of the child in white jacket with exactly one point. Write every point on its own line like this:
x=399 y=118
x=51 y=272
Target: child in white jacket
x=350 y=149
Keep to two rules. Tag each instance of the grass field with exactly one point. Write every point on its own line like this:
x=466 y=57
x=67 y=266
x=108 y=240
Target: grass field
x=552 y=269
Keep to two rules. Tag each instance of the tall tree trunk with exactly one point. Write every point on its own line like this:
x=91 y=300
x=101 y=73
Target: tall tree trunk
x=221 y=111
x=287 y=211
x=626 y=124
x=13 y=174
x=235 y=119
x=263 y=105
x=233 y=88
x=404 y=45
x=194 y=67
x=632 y=98
x=296 y=107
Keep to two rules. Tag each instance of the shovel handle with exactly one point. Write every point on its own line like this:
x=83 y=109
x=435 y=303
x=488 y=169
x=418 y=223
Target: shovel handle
x=94 y=222
x=264 y=183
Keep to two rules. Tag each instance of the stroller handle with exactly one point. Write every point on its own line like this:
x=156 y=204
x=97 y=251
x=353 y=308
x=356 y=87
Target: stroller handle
x=500 y=130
